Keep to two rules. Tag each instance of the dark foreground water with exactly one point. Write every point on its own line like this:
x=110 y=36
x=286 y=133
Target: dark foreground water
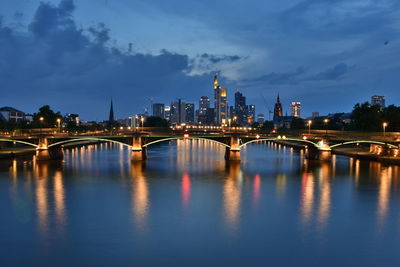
x=186 y=207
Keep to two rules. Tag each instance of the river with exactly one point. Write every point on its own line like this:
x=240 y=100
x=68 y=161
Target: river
x=185 y=206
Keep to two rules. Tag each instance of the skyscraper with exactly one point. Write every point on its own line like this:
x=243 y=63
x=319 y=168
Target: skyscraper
x=251 y=113
x=178 y=112
x=260 y=118
x=278 y=109
x=204 y=104
x=189 y=109
x=111 y=116
x=220 y=102
x=158 y=110
x=378 y=100
x=240 y=108
x=295 y=108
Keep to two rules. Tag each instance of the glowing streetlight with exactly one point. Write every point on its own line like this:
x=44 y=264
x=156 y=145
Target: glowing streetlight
x=309 y=126
x=142 y=120
x=41 y=119
x=326 y=126
x=229 y=122
x=385 y=124
x=59 y=123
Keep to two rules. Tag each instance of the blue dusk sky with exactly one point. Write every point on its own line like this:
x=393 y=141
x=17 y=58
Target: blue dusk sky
x=77 y=55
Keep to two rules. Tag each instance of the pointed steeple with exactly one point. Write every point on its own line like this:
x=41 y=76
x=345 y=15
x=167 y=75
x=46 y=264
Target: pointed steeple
x=111 y=117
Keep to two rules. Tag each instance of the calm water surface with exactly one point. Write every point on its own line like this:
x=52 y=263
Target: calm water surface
x=185 y=206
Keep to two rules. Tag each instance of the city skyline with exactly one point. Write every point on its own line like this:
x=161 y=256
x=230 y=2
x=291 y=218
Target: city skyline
x=75 y=62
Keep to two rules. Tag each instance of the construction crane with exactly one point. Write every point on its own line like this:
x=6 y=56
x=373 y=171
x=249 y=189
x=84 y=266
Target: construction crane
x=267 y=107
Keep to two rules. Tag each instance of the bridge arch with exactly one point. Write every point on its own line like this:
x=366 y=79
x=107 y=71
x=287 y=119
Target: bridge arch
x=364 y=142
x=88 y=139
x=18 y=141
x=277 y=139
x=183 y=138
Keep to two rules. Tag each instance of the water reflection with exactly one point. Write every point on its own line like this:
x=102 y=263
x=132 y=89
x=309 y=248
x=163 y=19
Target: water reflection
x=59 y=200
x=232 y=194
x=140 y=196
x=186 y=187
x=256 y=190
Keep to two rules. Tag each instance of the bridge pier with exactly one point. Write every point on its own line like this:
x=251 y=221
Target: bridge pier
x=44 y=153
x=139 y=153
x=318 y=154
x=232 y=153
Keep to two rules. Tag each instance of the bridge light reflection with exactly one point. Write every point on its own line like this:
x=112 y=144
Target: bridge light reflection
x=232 y=195
x=186 y=188
x=140 y=196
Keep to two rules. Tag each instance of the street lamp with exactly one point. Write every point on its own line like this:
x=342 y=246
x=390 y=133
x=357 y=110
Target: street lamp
x=229 y=122
x=41 y=119
x=59 y=124
x=309 y=127
x=326 y=126
x=142 y=120
x=385 y=124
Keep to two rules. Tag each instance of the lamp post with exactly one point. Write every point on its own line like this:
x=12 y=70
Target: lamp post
x=59 y=124
x=41 y=119
x=142 y=120
x=385 y=124
x=229 y=122
x=326 y=126
x=309 y=127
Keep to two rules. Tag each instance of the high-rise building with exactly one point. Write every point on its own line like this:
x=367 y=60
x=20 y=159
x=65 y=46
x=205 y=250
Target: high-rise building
x=167 y=113
x=278 y=109
x=251 y=113
x=378 y=100
x=220 y=102
x=295 y=108
x=111 y=116
x=260 y=118
x=178 y=112
x=189 y=109
x=240 y=108
x=204 y=105
x=159 y=110
x=315 y=114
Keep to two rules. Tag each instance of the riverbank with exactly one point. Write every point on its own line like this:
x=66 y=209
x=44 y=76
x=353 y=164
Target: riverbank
x=365 y=155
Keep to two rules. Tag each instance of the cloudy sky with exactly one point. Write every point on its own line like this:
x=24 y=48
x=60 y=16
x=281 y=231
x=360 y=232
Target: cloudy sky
x=77 y=55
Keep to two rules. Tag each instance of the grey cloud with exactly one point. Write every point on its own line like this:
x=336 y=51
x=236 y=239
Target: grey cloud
x=335 y=73
x=281 y=78
x=61 y=64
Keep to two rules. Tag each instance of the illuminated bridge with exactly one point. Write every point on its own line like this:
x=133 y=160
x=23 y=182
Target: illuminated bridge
x=51 y=148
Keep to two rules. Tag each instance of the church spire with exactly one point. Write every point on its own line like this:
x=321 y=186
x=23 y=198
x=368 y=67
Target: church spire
x=111 y=117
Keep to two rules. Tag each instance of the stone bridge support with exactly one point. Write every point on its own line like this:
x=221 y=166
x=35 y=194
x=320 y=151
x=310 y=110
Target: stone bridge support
x=44 y=153
x=232 y=153
x=383 y=150
x=315 y=153
x=139 y=153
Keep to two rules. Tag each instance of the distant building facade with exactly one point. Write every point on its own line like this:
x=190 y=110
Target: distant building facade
x=178 y=112
x=189 y=109
x=260 y=118
x=159 y=110
x=295 y=109
x=378 y=100
x=240 y=109
x=11 y=114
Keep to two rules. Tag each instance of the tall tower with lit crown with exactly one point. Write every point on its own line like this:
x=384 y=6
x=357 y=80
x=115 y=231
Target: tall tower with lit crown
x=220 y=103
x=278 y=109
